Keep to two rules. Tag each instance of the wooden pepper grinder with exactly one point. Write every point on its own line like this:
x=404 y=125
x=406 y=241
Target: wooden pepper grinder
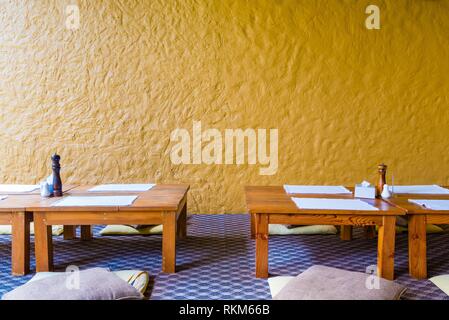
x=57 y=183
x=381 y=180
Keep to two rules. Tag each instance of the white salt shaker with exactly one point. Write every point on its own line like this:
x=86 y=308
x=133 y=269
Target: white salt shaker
x=45 y=189
x=386 y=192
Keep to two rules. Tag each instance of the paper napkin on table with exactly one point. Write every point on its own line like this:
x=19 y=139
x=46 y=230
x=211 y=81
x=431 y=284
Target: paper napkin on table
x=122 y=187
x=333 y=204
x=419 y=189
x=95 y=201
x=431 y=204
x=304 y=189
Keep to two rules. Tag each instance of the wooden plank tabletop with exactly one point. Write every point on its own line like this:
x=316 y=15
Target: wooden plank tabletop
x=401 y=200
x=274 y=199
x=23 y=203
x=13 y=204
x=411 y=208
x=159 y=198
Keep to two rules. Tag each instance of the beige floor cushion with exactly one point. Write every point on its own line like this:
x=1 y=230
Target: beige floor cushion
x=280 y=229
x=402 y=226
x=90 y=284
x=430 y=228
x=7 y=229
x=433 y=228
x=277 y=283
x=327 y=283
x=137 y=278
x=442 y=282
x=117 y=230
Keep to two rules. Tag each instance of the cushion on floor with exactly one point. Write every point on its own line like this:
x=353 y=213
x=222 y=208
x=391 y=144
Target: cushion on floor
x=7 y=229
x=281 y=229
x=430 y=228
x=327 y=283
x=130 y=230
x=441 y=282
x=277 y=283
x=94 y=284
x=402 y=226
x=118 y=230
x=433 y=228
x=137 y=278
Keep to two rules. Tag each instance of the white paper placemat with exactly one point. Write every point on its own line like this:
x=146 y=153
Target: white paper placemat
x=105 y=201
x=431 y=204
x=122 y=187
x=333 y=204
x=304 y=189
x=419 y=189
x=18 y=187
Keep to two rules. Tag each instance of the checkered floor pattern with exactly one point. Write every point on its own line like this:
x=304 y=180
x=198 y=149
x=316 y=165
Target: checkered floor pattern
x=216 y=261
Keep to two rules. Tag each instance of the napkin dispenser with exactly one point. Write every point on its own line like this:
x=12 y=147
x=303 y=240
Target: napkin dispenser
x=365 y=190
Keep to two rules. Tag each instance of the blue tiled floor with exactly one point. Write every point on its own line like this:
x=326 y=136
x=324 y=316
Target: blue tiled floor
x=216 y=261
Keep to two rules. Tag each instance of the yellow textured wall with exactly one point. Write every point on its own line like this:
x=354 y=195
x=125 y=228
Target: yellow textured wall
x=107 y=96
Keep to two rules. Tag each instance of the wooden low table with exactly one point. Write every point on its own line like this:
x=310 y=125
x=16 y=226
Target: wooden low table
x=163 y=204
x=272 y=205
x=418 y=218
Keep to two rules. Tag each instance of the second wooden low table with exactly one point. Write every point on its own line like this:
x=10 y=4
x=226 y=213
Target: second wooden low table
x=164 y=204
x=271 y=205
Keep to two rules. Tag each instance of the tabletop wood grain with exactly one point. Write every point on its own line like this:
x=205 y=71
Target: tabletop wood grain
x=162 y=197
x=274 y=199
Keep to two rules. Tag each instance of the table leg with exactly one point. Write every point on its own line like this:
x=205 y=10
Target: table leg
x=370 y=232
x=417 y=246
x=346 y=233
x=253 y=225
x=182 y=223
x=69 y=232
x=169 y=243
x=261 y=224
x=386 y=246
x=86 y=233
x=43 y=244
x=20 y=243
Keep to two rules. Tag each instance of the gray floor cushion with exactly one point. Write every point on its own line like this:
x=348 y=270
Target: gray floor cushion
x=94 y=284
x=326 y=283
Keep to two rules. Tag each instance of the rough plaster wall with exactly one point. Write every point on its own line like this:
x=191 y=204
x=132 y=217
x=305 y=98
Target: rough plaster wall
x=107 y=96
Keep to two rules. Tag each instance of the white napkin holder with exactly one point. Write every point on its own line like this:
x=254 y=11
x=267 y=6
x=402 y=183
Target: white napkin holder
x=365 y=190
